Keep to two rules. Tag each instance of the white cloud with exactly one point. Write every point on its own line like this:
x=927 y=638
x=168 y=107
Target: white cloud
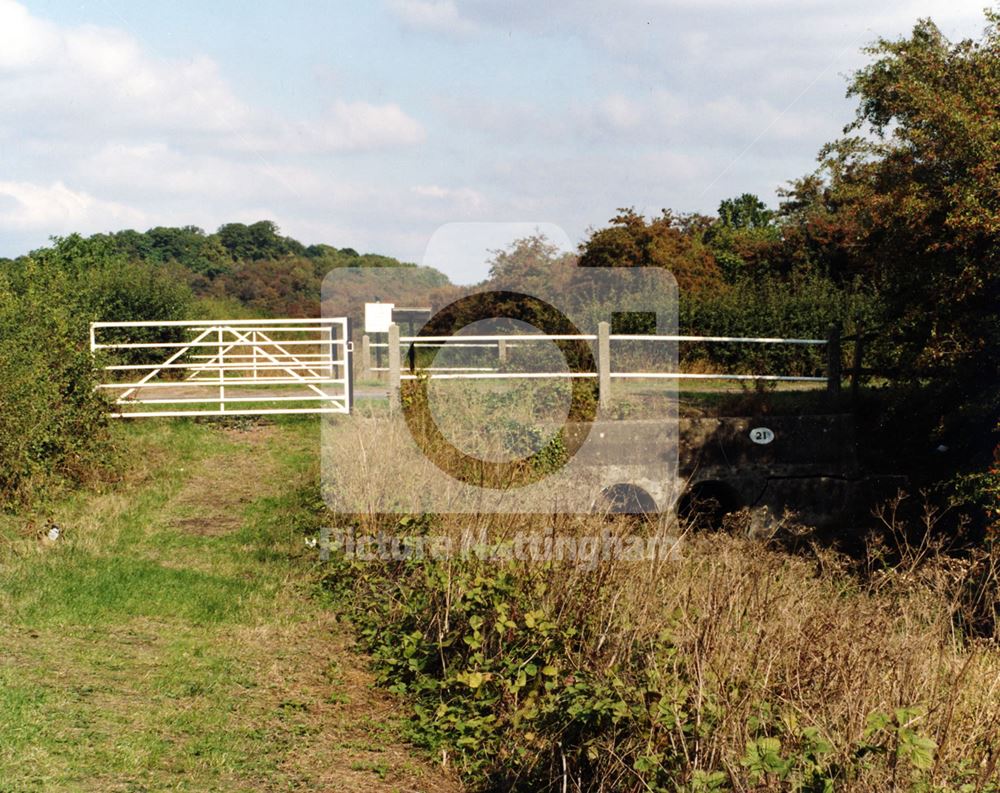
x=97 y=132
x=462 y=200
x=157 y=172
x=362 y=125
x=90 y=81
x=436 y=15
x=24 y=40
x=345 y=127
x=100 y=78
x=147 y=170
x=56 y=208
x=620 y=111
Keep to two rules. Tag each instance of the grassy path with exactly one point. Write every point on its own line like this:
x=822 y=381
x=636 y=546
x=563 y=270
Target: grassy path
x=174 y=638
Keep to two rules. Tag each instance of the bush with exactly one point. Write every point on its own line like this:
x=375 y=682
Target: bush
x=733 y=668
x=718 y=664
x=770 y=306
x=53 y=422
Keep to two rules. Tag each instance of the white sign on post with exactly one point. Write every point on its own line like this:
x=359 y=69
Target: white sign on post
x=378 y=317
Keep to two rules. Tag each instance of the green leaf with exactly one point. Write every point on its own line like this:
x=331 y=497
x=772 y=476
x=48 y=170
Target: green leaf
x=475 y=680
x=918 y=749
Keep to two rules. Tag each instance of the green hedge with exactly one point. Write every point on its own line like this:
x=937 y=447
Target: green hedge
x=53 y=423
x=801 y=308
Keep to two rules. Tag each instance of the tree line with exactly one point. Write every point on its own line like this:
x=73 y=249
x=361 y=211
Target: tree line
x=895 y=234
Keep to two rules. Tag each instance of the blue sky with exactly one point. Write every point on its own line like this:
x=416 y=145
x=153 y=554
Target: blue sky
x=372 y=124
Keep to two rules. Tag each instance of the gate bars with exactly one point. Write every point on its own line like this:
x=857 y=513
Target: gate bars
x=274 y=366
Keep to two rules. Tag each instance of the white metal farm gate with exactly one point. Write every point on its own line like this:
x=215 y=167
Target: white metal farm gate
x=241 y=367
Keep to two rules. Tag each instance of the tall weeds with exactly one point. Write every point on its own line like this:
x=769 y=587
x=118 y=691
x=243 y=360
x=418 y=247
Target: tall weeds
x=729 y=664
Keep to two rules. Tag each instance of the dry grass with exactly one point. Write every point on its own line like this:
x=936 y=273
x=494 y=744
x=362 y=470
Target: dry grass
x=764 y=642
x=756 y=625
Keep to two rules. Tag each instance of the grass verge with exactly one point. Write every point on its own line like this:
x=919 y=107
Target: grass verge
x=174 y=636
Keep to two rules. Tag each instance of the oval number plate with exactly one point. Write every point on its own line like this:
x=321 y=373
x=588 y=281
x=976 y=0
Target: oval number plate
x=761 y=435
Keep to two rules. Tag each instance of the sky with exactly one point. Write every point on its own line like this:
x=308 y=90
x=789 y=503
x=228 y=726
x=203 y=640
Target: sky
x=384 y=125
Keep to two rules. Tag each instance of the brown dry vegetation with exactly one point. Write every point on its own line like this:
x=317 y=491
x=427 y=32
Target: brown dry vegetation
x=731 y=664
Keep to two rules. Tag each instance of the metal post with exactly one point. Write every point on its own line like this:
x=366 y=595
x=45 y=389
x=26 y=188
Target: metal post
x=833 y=361
x=253 y=348
x=366 y=357
x=394 y=366
x=331 y=350
x=604 y=363
x=348 y=363
x=222 y=376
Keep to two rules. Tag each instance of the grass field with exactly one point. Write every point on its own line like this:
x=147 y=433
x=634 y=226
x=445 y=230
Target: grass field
x=175 y=637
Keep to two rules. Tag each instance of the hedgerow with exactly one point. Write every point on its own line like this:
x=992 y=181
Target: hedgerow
x=53 y=421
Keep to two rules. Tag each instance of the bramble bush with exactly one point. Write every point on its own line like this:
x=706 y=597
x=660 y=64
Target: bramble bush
x=733 y=667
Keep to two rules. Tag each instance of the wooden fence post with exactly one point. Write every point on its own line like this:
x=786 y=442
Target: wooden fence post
x=859 y=351
x=833 y=361
x=394 y=367
x=324 y=544
x=366 y=357
x=604 y=364
x=502 y=351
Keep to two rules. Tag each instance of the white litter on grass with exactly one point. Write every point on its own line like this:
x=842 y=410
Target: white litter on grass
x=311 y=542
x=53 y=533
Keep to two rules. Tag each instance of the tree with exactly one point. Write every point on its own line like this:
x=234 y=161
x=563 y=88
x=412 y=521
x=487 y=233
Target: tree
x=923 y=187
x=265 y=240
x=259 y=240
x=744 y=239
x=745 y=212
x=916 y=178
x=320 y=251
x=94 y=280
x=815 y=234
x=632 y=241
x=187 y=246
x=527 y=259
